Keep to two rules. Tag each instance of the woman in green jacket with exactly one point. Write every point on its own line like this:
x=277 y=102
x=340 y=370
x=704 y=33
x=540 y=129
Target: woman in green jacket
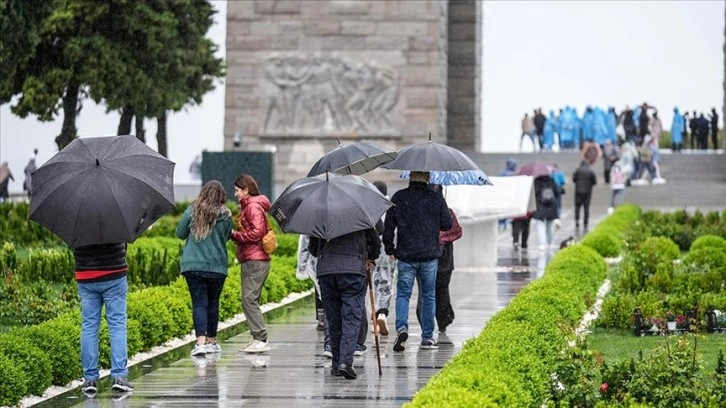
x=206 y=226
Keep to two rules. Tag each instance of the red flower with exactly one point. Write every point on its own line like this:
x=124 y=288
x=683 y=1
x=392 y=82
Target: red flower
x=604 y=387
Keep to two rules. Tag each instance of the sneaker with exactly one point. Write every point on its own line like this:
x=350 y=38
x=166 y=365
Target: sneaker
x=611 y=210
x=89 y=388
x=257 y=346
x=557 y=224
x=516 y=245
x=320 y=326
x=360 y=349
x=199 y=349
x=429 y=344
x=214 y=348
x=400 y=343
x=246 y=345
x=382 y=324
x=122 y=384
x=327 y=351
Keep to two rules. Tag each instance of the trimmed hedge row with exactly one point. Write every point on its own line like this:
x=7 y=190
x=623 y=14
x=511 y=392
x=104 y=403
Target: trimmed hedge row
x=607 y=237
x=49 y=353
x=511 y=361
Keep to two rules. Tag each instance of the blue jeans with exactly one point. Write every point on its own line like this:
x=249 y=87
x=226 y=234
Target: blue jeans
x=407 y=273
x=93 y=296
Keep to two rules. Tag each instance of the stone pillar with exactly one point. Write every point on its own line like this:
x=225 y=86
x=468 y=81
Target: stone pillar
x=464 y=75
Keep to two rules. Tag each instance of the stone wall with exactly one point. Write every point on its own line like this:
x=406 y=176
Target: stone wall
x=303 y=74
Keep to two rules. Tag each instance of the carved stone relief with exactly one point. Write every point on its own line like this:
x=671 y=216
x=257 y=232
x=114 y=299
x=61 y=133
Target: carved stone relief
x=328 y=95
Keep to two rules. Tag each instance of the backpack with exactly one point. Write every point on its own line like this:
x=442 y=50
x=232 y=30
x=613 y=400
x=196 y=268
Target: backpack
x=548 y=196
x=646 y=155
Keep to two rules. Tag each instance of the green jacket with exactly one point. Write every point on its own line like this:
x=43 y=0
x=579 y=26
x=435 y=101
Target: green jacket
x=209 y=254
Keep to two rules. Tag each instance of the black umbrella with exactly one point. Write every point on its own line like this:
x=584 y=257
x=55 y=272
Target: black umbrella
x=356 y=158
x=102 y=190
x=430 y=156
x=329 y=206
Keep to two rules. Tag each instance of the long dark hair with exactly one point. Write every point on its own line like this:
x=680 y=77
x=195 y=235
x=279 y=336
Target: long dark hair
x=207 y=206
x=248 y=182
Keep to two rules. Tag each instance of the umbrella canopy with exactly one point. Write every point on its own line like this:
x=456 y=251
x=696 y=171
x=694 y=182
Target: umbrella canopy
x=455 y=178
x=535 y=169
x=329 y=207
x=356 y=158
x=431 y=156
x=102 y=190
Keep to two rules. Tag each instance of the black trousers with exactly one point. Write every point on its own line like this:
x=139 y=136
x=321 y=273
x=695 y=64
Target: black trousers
x=582 y=200
x=344 y=303
x=520 y=227
x=205 y=293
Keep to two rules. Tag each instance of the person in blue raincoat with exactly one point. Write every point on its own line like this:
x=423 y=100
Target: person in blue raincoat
x=612 y=125
x=677 y=130
x=600 y=126
x=549 y=131
x=588 y=125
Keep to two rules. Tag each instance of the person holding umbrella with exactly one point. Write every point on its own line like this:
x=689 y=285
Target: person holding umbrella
x=206 y=225
x=416 y=218
x=341 y=271
x=255 y=262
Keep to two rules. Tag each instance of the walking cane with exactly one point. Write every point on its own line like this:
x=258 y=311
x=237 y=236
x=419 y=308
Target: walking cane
x=373 y=317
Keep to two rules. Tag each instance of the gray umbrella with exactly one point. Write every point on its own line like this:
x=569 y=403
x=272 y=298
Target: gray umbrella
x=329 y=206
x=355 y=158
x=102 y=190
x=430 y=156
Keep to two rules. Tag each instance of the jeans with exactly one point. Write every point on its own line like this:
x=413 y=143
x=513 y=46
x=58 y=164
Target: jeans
x=426 y=273
x=93 y=296
x=254 y=275
x=205 y=293
x=344 y=303
x=617 y=193
x=544 y=232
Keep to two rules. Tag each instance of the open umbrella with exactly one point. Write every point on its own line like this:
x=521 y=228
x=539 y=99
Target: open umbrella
x=355 y=158
x=535 y=169
x=102 y=190
x=455 y=178
x=430 y=156
x=328 y=207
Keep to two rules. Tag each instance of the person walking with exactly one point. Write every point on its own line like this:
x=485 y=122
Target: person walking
x=29 y=169
x=528 y=130
x=206 y=225
x=714 y=128
x=584 y=179
x=306 y=270
x=610 y=154
x=539 y=126
x=255 y=262
x=545 y=194
x=383 y=276
x=341 y=272
x=677 y=130
x=417 y=216
x=5 y=176
x=101 y=278
x=617 y=185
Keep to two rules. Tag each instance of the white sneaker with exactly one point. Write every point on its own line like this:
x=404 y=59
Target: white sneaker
x=243 y=348
x=199 y=349
x=610 y=210
x=214 y=348
x=257 y=346
x=543 y=247
x=382 y=324
x=557 y=224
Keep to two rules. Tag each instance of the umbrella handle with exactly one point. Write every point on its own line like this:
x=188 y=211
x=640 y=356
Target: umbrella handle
x=373 y=318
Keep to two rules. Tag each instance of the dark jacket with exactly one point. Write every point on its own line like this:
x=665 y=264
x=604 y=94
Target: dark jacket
x=417 y=216
x=584 y=179
x=545 y=211
x=99 y=263
x=345 y=254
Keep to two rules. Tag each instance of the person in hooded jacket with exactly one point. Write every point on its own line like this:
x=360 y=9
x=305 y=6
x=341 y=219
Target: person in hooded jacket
x=341 y=272
x=206 y=225
x=677 y=129
x=255 y=262
x=545 y=195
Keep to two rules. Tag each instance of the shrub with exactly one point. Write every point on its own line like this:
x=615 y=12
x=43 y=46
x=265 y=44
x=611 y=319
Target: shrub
x=13 y=380
x=605 y=241
x=53 y=265
x=8 y=259
x=287 y=245
x=30 y=360
x=709 y=241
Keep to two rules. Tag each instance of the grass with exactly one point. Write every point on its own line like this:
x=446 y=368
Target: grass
x=617 y=345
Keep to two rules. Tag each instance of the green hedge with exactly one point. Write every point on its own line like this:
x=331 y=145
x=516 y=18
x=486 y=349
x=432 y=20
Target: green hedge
x=16 y=227
x=510 y=362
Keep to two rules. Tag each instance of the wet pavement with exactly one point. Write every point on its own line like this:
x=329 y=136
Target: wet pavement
x=295 y=373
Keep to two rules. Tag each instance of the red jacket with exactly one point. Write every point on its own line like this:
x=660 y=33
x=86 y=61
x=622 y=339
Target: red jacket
x=453 y=233
x=252 y=224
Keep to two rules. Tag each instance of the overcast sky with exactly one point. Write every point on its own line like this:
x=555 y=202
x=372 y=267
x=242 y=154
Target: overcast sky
x=538 y=53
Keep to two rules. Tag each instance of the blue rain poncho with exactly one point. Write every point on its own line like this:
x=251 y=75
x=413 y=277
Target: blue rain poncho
x=677 y=127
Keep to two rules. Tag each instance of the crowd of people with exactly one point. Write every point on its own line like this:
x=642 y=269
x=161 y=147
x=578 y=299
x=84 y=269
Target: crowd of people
x=567 y=130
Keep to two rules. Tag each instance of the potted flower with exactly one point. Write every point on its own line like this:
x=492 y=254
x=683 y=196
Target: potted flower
x=682 y=323
x=671 y=321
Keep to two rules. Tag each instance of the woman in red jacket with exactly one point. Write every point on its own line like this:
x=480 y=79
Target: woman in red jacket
x=252 y=226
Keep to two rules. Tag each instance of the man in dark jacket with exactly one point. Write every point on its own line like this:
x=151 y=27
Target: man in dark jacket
x=417 y=216
x=584 y=179
x=341 y=273
x=101 y=277
x=714 y=128
x=539 y=124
